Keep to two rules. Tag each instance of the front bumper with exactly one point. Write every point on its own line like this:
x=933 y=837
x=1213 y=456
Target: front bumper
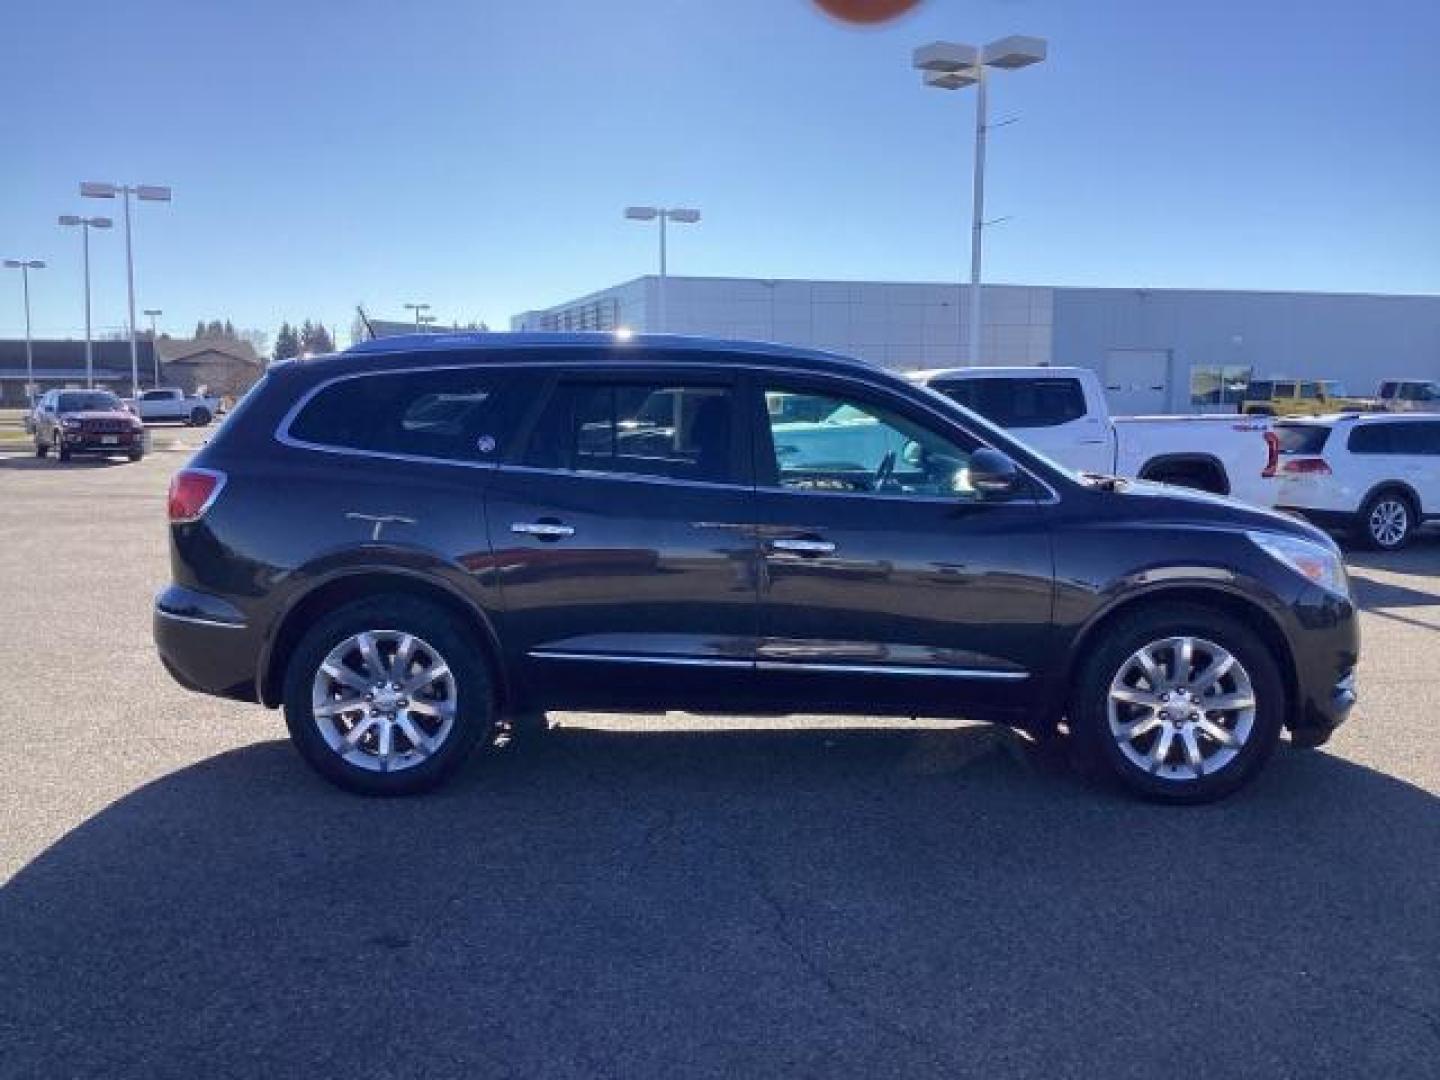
x=1326 y=644
x=206 y=644
x=89 y=442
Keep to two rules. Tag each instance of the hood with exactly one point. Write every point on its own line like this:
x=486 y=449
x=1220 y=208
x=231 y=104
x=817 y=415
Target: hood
x=1203 y=508
x=100 y=414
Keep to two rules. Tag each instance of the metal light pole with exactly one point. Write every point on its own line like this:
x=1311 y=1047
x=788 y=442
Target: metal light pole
x=86 y=224
x=145 y=193
x=677 y=214
x=949 y=65
x=25 y=266
x=154 y=349
x=418 y=309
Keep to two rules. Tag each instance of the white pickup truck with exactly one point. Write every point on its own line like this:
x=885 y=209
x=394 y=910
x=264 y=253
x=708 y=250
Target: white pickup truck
x=170 y=403
x=1061 y=411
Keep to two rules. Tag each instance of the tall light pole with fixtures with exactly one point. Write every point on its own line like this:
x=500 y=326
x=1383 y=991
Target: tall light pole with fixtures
x=680 y=215
x=25 y=266
x=419 y=310
x=145 y=193
x=154 y=313
x=950 y=65
x=86 y=224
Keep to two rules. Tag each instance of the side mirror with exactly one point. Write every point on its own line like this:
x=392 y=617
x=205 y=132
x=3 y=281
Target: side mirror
x=993 y=473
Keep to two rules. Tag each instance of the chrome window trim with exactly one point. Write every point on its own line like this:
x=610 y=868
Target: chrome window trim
x=642 y=478
x=782 y=366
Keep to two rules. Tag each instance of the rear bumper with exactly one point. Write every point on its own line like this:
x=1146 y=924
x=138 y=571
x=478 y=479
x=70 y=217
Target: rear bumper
x=206 y=644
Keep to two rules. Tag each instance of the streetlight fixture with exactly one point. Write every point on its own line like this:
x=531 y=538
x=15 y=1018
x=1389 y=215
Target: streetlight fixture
x=25 y=266
x=145 y=193
x=154 y=314
x=86 y=224
x=951 y=65
x=680 y=215
x=419 y=309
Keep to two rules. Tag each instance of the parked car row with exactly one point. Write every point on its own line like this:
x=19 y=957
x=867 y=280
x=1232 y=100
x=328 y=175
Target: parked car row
x=1317 y=397
x=500 y=525
x=171 y=403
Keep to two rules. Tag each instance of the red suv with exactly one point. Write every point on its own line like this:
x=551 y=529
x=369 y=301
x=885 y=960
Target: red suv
x=86 y=422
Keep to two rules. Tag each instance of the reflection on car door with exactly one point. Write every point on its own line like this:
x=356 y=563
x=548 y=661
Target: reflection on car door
x=621 y=536
x=887 y=583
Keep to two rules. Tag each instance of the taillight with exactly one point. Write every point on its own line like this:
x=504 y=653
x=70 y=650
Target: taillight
x=1272 y=449
x=192 y=492
x=1312 y=466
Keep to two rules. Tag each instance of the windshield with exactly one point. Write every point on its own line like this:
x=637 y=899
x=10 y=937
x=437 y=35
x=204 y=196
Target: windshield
x=88 y=401
x=996 y=437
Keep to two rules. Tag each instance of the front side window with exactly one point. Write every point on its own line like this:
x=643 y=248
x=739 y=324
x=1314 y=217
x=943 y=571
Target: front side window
x=1020 y=403
x=858 y=447
x=1310 y=390
x=676 y=430
x=460 y=414
x=1372 y=439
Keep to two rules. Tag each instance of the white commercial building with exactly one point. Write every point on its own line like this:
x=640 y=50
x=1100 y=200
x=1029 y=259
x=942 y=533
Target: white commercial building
x=1157 y=350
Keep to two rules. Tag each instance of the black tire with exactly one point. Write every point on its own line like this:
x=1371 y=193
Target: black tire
x=62 y=452
x=136 y=454
x=41 y=449
x=199 y=417
x=474 y=695
x=1089 y=711
x=1368 y=526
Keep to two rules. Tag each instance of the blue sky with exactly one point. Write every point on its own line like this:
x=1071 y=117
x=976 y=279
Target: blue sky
x=476 y=154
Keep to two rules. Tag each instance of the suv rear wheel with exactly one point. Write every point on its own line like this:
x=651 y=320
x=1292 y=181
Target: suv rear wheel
x=1387 y=521
x=387 y=696
x=1183 y=704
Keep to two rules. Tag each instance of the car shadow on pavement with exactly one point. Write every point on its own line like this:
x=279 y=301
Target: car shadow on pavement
x=758 y=903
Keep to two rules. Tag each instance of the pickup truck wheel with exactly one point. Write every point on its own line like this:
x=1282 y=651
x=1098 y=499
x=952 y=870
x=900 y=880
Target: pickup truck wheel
x=41 y=449
x=1387 y=521
x=62 y=452
x=1181 y=703
x=136 y=453
x=199 y=417
x=387 y=696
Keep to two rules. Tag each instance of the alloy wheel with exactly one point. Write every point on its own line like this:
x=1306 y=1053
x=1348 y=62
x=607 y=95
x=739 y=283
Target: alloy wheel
x=1181 y=708
x=384 y=700
x=1389 y=522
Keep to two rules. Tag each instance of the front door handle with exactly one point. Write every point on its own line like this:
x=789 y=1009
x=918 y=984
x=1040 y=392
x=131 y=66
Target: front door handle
x=804 y=547
x=544 y=530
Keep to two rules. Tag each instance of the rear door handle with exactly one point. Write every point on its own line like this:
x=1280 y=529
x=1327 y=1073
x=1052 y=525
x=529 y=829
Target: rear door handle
x=545 y=530
x=804 y=547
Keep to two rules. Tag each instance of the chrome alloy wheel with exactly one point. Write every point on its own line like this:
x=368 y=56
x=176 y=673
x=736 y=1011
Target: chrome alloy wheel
x=1389 y=522
x=1181 y=708
x=384 y=700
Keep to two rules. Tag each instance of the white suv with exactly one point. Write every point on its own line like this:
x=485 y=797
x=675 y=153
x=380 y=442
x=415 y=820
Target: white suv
x=1374 y=475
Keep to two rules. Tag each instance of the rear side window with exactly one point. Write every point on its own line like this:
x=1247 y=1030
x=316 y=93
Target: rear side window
x=1373 y=439
x=678 y=430
x=462 y=414
x=1020 y=403
x=1301 y=438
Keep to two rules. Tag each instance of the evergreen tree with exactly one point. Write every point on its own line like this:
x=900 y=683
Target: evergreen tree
x=200 y=329
x=287 y=343
x=229 y=331
x=315 y=338
x=214 y=329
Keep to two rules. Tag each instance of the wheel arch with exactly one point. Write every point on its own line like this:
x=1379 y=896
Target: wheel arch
x=1188 y=462
x=1405 y=489
x=1225 y=601
x=358 y=583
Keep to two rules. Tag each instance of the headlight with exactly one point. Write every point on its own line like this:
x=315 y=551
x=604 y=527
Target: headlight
x=1318 y=562
x=69 y=421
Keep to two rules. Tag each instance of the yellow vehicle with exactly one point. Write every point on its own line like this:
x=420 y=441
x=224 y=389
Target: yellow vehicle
x=1297 y=397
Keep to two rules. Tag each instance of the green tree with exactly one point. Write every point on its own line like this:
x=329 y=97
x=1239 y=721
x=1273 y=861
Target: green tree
x=200 y=329
x=314 y=338
x=287 y=343
x=229 y=331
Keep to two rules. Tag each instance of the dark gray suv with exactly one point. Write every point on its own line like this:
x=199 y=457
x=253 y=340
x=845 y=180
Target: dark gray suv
x=424 y=540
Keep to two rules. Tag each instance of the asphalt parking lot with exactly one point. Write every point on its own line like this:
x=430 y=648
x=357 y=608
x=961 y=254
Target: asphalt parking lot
x=635 y=897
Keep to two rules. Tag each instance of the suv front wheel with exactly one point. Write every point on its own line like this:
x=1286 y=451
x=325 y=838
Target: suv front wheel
x=387 y=696
x=1183 y=704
